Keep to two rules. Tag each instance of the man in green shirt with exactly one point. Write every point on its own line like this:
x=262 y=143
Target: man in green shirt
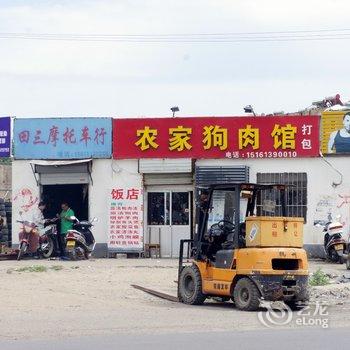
x=66 y=225
x=66 y=222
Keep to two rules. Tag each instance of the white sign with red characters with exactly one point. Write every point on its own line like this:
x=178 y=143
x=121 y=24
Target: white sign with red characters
x=126 y=219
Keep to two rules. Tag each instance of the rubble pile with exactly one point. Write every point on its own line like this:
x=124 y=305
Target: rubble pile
x=330 y=294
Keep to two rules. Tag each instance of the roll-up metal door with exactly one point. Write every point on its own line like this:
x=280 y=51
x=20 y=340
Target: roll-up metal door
x=206 y=175
x=168 y=179
x=64 y=179
x=166 y=165
x=63 y=174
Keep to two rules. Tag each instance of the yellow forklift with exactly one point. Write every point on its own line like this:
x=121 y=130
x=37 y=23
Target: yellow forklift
x=245 y=249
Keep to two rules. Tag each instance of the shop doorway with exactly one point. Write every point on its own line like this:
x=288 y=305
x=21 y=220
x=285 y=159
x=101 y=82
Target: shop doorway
x=76 y=195
x=169 y=218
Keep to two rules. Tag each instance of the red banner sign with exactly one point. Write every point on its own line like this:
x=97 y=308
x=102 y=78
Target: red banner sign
x=216 y=137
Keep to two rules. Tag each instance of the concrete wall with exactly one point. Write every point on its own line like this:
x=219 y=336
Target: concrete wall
x=322 y=196
x=25 y=194
x=106 y=174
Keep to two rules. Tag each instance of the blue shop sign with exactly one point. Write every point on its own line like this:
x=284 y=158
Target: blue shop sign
x=62 y=138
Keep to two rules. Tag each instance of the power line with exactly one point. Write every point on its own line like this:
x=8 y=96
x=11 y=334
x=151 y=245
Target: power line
x=183 y=41
x=238 y=40
x=300 y=35
x=181 y=35
x=110 y=37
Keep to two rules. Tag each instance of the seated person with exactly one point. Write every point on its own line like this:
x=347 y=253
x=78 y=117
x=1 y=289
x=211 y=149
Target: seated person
x=220 y=236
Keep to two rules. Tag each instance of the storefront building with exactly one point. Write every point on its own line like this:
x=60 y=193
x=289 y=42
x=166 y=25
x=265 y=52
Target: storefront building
x=63 y=159
x=143 y=189
x=174 y=155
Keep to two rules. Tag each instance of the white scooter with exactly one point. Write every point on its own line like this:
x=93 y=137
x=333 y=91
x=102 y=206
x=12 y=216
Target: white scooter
x=80 y=241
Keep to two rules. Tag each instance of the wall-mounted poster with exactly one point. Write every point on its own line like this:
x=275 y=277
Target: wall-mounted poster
x=335 y=134
x=125 y=219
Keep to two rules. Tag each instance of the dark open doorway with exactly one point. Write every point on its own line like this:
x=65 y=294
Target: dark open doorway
x=75 y=195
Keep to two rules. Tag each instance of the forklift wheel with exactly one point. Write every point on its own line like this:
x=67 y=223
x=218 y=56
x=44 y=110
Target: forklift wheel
x=190 y=286
x=246 y=295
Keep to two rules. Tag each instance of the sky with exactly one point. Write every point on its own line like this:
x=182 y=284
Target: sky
x=117 y=79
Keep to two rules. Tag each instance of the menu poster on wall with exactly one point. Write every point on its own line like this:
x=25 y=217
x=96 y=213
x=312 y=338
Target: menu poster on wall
x=126 y=219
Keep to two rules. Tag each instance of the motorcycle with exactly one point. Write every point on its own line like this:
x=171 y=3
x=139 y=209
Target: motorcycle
x=334 y=243
x=26 y=236
x=80 y=241
x=48 y=242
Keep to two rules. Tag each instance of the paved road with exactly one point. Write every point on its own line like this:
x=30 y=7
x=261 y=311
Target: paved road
x=245 y=340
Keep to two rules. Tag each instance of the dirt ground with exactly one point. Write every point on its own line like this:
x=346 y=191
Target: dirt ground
x=95 y=298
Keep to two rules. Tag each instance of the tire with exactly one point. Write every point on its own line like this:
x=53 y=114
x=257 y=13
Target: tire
x=48 y=251
x=72 y=254
x=246 y=295
x=2 y=213
x=190 y=286
x=2 y=207
x=22 y=250
x=333 y=255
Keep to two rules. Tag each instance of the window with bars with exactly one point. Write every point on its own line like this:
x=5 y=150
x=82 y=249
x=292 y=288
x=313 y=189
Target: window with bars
x=296 y=195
